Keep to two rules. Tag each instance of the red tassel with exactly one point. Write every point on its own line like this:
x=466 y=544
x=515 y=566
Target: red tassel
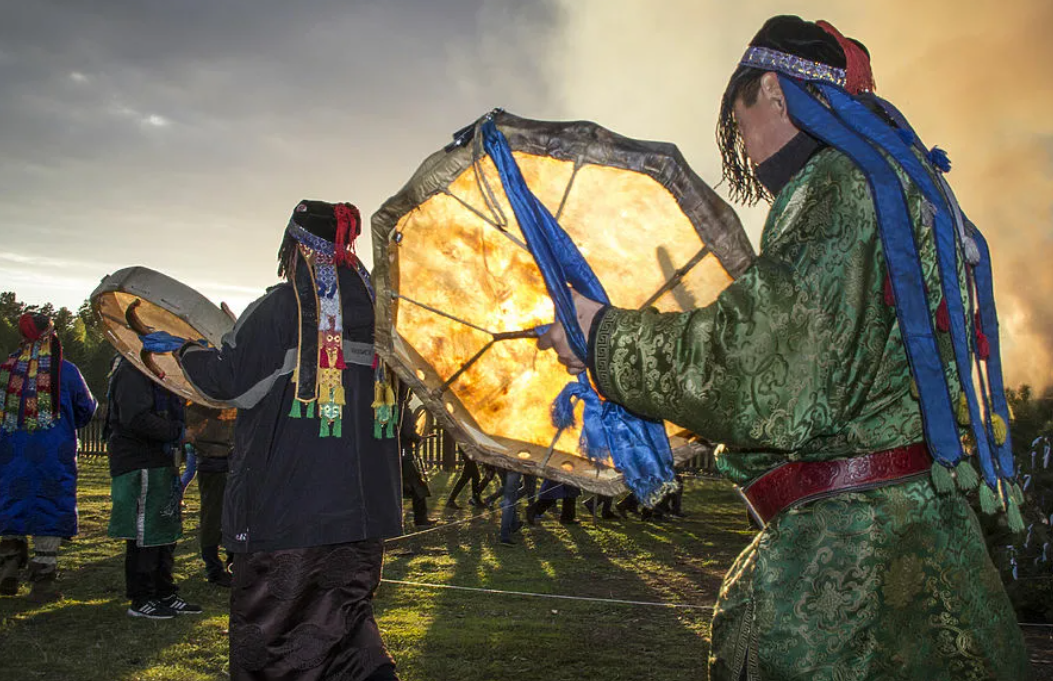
x=890 y=295
x=943 y=317
x=858 y=75
x=340 y=360
x=983 y=346
x=323 y=359
x=348 y=227
x=28 y=327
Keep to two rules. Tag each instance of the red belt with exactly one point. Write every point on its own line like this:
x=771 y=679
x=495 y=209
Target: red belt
x=800 y=481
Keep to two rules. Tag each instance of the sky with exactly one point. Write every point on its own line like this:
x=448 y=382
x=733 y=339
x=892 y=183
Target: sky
x=179 y=135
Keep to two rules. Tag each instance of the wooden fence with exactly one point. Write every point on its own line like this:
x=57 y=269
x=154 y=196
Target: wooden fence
x=436 y=450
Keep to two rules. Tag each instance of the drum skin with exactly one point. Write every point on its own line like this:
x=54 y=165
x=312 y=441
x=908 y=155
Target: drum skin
x=458 y=292
x=164 y=305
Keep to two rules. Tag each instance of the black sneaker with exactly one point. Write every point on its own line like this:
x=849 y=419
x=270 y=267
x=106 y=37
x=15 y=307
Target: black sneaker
x=181 y=607
x=152 y=609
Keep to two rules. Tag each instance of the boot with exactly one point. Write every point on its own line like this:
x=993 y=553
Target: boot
x=215 y=570
x=42 y=580
x=568 y=511
x=420 y=512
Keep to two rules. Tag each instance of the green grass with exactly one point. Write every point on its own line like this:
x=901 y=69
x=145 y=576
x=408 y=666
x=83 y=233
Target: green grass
x=434 y=634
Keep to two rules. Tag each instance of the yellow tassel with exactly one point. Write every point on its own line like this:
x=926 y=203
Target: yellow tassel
x=999 y=429
x=389 y=395
x=378 y=394
x=914 y=389
x=963 y=410
x=340 y=396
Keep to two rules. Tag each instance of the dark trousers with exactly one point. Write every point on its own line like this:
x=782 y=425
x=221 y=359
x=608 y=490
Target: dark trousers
x=420 y=509
x=469 y=473
x=148 y=571
x=212 y=486
x=568 y=511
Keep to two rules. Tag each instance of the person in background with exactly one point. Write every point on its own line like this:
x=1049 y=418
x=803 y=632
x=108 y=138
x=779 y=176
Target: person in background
x=469 y=473
x=516 y=487
x=45 y=401
x=145 y=426
x=604 y=506
x=551 y=492
x=414 y=486
x=211 y=436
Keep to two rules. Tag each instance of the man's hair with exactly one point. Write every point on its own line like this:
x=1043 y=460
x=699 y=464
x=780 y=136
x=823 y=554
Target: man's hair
x=287 y=257
x=743 y=185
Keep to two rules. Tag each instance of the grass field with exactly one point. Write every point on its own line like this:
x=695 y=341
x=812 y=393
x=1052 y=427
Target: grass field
x=435 y=634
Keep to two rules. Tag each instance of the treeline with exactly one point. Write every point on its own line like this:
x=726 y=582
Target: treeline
x=83 y=341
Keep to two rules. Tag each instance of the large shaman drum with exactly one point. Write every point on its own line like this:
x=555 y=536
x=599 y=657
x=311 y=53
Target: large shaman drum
x=137 y=300
x=459 y=294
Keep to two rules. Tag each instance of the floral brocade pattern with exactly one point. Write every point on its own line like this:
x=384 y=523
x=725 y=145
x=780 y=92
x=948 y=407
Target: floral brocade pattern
x=801 y=359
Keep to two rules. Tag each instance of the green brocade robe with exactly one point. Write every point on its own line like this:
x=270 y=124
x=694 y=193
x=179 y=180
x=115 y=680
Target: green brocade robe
x=801 y=359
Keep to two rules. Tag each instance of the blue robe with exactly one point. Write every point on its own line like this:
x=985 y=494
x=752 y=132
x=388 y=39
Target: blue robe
x=38 y=469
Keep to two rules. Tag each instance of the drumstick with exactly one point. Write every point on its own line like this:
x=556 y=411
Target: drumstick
x=131 y=315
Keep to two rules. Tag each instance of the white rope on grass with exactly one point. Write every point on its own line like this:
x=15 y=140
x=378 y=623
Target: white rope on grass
x=499 y=508
x=617 y=601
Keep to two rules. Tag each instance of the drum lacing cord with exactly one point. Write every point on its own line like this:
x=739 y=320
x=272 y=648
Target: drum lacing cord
x=489 y=197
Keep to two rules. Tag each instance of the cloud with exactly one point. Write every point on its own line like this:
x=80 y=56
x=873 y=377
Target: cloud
x=180 y=135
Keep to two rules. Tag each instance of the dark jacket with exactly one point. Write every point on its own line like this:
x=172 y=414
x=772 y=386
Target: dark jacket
x=211 y=431
x=288 y=487
x=144 y=420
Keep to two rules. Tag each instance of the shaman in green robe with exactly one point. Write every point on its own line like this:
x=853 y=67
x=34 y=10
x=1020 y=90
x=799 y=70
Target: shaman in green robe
x=801 y=359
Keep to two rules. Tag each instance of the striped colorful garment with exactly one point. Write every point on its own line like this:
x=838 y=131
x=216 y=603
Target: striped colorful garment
x=30 y=376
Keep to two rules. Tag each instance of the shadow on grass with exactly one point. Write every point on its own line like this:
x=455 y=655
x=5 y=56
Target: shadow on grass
x=88 y=635
x=463 y=635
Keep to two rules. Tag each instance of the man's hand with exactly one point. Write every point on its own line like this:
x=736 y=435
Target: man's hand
x=556 y=337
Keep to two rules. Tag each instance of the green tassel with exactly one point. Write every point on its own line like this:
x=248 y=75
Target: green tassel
x=338 y=430
x=965 y=476
x=391 y=429
x=941 y=478
x=295 y=412
x=988 y=502
x=323 y=428
x=310 y=410
x=378 y=430
x=1017 y=494
x=1016 y=523
x=963 y=410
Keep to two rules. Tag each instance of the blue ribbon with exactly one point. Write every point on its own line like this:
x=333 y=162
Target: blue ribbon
x=908 y=282
x=989 y=320
x=639 y=447
x=162 y=341
x=863 y=121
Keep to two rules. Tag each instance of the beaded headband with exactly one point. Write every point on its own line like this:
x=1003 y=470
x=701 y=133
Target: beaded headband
x=796 y=67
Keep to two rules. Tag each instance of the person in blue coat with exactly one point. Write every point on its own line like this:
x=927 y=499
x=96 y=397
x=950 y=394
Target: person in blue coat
x=45 y=401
